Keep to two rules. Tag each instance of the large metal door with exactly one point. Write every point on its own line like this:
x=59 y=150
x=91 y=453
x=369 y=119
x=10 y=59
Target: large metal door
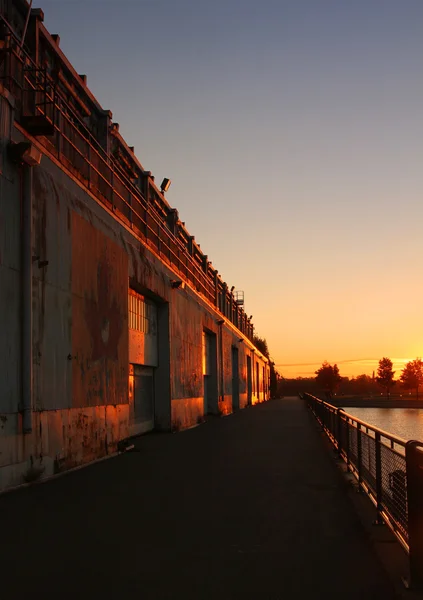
x=143 y=407
x=206 y=371
x=235 y=379
x=209 y=372
x=249 y=381
x=257 y=382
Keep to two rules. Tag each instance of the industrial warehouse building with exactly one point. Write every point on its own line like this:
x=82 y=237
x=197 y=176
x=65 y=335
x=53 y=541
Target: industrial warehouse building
x=113 y=321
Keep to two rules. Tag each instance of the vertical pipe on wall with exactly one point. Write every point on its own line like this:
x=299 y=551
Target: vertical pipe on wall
x=26 y=257
x=221 y=368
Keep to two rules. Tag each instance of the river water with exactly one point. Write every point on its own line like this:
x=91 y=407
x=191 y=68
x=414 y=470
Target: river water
x=407 y=423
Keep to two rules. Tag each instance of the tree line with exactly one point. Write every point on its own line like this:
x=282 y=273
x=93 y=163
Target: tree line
x=329 y=380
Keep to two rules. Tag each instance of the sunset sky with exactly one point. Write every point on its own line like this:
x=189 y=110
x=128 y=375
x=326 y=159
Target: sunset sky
x=292 y=131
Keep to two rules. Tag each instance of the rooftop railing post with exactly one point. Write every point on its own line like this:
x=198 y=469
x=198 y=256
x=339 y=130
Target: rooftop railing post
x=88 y=160
x=414 y=469
x=112 y=183
x=378 y=466
x=59 y=140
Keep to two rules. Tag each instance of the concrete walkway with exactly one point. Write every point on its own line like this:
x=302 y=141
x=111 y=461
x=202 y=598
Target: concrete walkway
x=248 y=506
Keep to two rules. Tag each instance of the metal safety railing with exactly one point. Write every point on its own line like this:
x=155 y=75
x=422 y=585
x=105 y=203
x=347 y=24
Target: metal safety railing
x=388 y=468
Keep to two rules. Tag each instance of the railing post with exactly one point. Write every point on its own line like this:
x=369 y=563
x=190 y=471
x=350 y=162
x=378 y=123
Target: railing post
x=339 y=430
x=332 y=424
x=414 y=469
x=89 y=163
x=112 y=185
x=378 y=460
x=347 y=443
x=359 y=456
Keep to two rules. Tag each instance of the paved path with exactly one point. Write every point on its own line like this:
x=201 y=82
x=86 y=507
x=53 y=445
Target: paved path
x=247 y=506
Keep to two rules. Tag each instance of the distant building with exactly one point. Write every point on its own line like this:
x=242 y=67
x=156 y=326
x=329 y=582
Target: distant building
x=113 y=322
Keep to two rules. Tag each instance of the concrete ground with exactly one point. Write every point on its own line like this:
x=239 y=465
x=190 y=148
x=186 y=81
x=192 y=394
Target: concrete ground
x=247 y=506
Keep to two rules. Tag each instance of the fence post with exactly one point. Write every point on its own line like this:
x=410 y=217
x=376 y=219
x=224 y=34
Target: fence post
x=339 y=430
x=333 y=423
x=414 y=469
x=347 y=442
x=359 y=456
x=325 y=414
x=378 y=460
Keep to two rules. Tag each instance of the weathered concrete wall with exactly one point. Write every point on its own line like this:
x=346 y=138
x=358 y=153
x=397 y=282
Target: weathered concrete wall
x=84 y=261
x=99 y=317
x=60 y=440
x=10 y=227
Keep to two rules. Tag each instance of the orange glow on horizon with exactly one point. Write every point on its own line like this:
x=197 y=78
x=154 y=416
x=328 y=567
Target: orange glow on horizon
x=347 y=368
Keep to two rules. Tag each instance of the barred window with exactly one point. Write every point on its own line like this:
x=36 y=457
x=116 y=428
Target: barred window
x=139 y=313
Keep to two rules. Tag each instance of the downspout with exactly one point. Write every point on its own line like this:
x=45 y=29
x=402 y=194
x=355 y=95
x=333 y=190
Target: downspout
x=26 y=257
x=221 y=374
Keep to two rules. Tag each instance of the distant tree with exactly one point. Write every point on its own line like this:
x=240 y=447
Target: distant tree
x=293 y=386
x=328 y=378
x=385 y=375
x=366 y=384
x=261 y=344
x=412 y=375
x=361 y=385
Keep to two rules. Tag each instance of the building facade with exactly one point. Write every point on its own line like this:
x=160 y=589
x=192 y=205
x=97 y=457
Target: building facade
x=113 y=321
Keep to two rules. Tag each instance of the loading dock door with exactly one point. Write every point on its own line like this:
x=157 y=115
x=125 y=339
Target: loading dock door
x=257 y=382
x=235 y=379
x=209 y=372
x=249 y=381
x=143 y=398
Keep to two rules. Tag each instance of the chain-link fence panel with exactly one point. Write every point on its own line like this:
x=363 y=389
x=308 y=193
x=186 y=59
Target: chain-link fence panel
x=368 y=461
x=394 y=488
x=352 y=445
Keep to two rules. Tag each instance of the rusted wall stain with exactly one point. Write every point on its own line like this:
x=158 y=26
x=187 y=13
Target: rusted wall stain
x=186 y=347
x=51 y=293
x=187 y=412
x=99 y=314
x=103 y=317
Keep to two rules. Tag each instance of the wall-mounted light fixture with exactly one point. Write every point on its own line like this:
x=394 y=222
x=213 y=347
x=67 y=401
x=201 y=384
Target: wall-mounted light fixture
x=220 y=322
x=165 y=185
x=24 y=152
x=177 y=283
x=250 y=317
x=240 y=340
x=232 y=288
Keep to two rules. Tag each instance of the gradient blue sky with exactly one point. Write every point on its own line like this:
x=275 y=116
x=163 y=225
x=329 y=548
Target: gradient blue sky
x=293 y=135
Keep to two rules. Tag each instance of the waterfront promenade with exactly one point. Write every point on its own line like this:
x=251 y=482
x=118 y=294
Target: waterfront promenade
x=246 y=506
